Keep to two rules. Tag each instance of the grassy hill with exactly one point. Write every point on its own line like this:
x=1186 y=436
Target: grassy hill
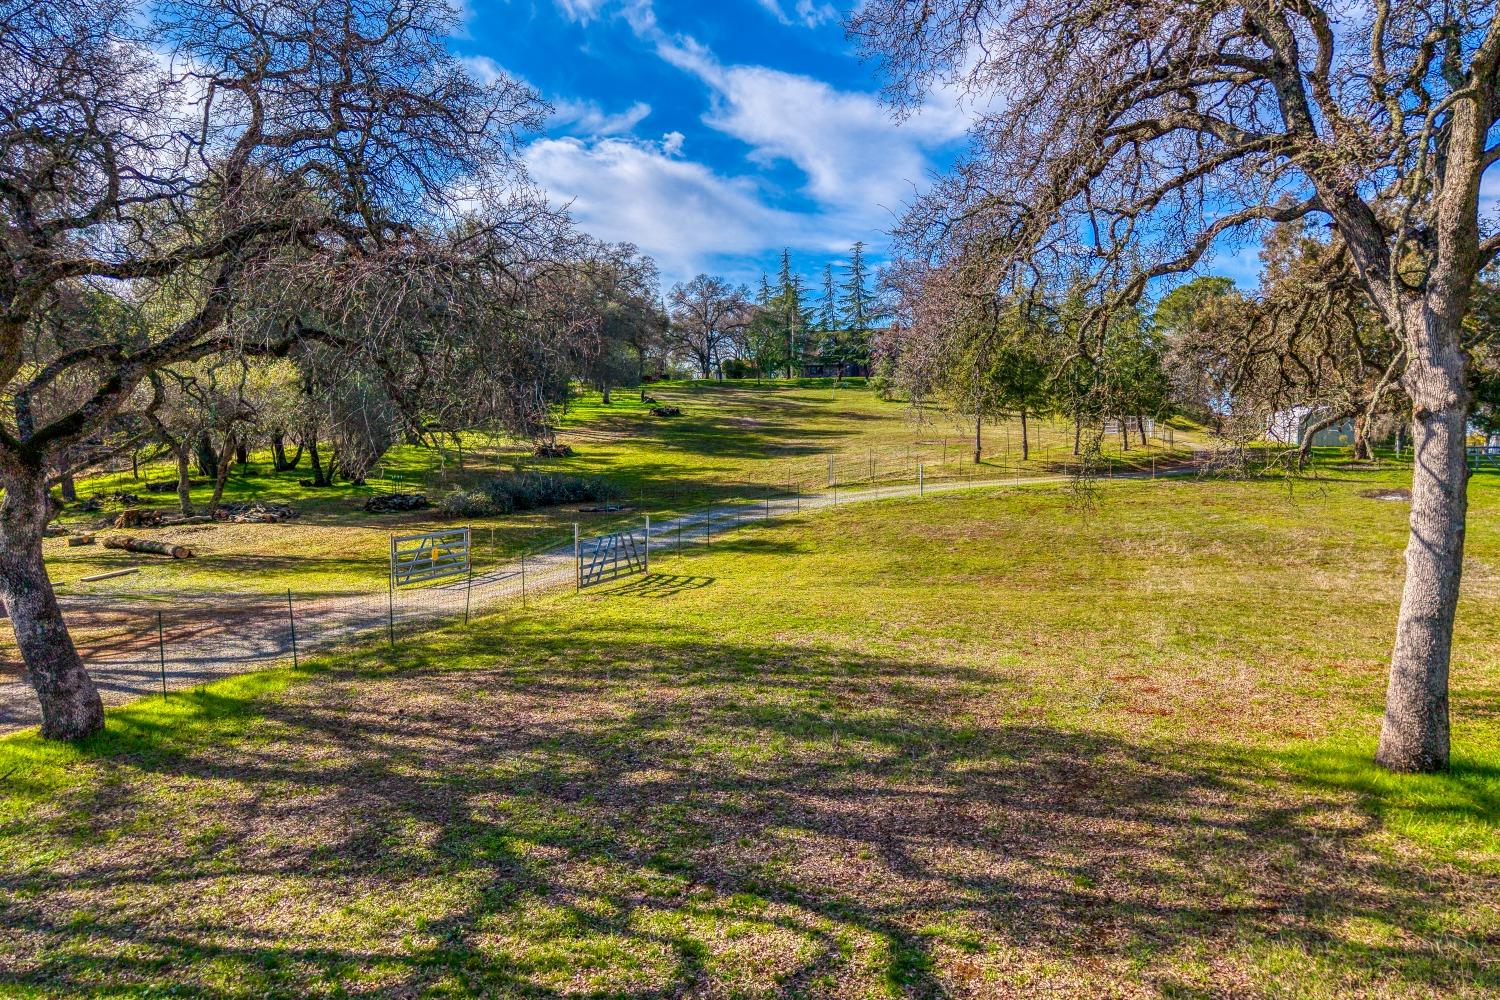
x=733 y=440
x=1019 y=742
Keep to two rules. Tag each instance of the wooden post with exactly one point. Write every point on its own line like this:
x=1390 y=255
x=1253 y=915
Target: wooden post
x=648 y=543
x=468 y=591
x=161 y=652
x=292 y=618
x=710 y=524
x=921 y=483
x=391 y=609
x=523 y=578
x=577 y=560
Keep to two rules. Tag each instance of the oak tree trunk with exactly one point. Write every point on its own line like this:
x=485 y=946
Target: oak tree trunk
x=223 y=469
x=71 y=709
x=1025 y=441
x=184 y=478
x=1414 y=734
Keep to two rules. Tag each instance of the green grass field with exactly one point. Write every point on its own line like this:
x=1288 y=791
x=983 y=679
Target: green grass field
x=733 y=440
x=1019 y=742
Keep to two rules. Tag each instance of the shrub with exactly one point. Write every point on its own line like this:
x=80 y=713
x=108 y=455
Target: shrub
x=531 y=490
x=666 y=411
x=466 y=503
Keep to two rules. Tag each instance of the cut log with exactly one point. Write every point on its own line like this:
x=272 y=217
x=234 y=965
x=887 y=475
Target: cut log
x=138 y=517
x=75 y=541
x=155 y=546
x=173 y=520
x=111 y=574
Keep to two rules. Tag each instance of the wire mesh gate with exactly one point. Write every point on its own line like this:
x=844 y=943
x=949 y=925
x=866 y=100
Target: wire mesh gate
x=609 y=557
x=431 y=555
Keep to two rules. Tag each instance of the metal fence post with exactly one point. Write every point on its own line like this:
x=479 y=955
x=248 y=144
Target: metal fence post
x=710 y=524
x=648 y=543
x=921 y=483
x=577 y=560
x=391 y=598
x=523 y=578
x=291 y=616
x=831 y=478
x=161 y=652
x=468 y=591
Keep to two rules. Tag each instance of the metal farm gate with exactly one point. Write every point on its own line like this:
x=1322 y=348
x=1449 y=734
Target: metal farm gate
x=432 y=555
x=609 y=557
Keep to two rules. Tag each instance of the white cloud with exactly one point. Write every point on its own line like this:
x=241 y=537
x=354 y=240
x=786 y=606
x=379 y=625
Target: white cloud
x=581 y=117
x=580 y=11
x=588 y=118
x=853 y=155
x=484 y=69
x=809 y=13
x=677 y=210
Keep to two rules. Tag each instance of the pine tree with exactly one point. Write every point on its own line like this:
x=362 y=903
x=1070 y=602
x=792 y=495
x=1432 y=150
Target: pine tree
x=856 y=300
x=793 y=317
x=828 y=320
x=858 y=309
x=763 y=296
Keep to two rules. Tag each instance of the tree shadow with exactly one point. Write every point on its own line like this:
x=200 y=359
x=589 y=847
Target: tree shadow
x=659 y=585
x=606 y=812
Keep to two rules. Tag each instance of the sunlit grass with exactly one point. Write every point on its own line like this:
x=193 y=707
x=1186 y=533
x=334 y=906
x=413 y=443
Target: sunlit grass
x=1018 y=742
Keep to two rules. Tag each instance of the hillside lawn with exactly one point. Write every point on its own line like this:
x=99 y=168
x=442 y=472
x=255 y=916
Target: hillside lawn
x=1015 y=742
x=733 y=440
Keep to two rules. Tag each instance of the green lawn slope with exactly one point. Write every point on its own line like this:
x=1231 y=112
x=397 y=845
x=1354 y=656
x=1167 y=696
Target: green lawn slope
x=1021 y=742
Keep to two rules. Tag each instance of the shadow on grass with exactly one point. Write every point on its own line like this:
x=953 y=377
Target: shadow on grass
x=539 y=813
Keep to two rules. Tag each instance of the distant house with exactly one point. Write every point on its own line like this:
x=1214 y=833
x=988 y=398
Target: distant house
x=815 y=364
x=1290 y=427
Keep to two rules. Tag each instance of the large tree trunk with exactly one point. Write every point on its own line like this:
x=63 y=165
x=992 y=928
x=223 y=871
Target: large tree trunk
x=978 y=441
x=68 y=488
x=223 y=475
x=1414 y=735
x=71 y=708
x=1025 y=438
x=317 y=462
x=208 y=460
x=184 y=477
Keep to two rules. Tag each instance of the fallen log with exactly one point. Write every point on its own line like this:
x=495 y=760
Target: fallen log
x=171 y=520
x=138 y=517
x=76 y=541
x=111 y=574
x=155 y=546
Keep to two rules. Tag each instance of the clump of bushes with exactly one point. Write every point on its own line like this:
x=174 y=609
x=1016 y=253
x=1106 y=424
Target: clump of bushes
x=666 y=411
x=528 y=491
x=466 y=503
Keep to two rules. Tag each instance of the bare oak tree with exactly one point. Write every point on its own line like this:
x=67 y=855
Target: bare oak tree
x=709 y=316
x=215 y=177
x=1136 y=135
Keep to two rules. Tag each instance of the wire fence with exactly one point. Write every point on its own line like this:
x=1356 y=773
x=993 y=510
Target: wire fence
x=156 y=643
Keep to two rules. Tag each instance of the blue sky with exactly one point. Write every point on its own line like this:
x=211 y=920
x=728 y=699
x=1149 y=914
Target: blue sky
x=713 y=134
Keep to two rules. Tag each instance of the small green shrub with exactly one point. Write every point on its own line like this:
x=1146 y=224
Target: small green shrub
x=467 y=503
x=532 y=490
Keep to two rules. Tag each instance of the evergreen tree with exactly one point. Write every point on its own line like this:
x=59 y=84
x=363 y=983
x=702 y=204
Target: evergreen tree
x=856 y=299
x=793 y=318
x=859 y=309
x=828 y=319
